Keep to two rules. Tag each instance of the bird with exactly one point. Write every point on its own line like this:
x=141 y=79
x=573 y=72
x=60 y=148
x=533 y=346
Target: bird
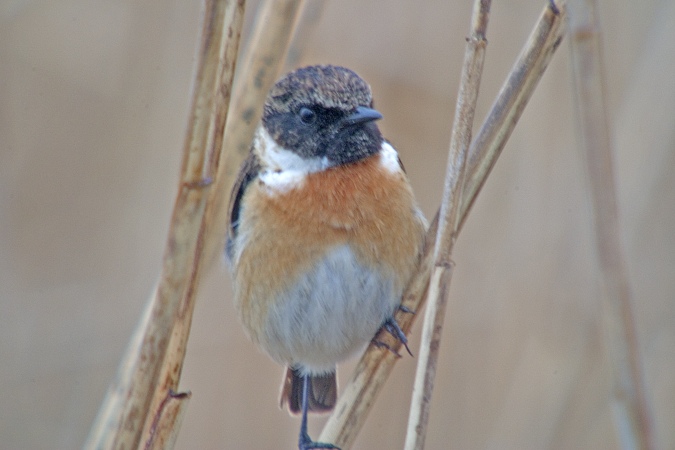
x=324 y=233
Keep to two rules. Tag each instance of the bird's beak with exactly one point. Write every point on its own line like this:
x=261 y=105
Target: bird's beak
x=362 y=115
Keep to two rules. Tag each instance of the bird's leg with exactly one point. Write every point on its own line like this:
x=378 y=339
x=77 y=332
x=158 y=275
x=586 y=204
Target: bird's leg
x=304 y=441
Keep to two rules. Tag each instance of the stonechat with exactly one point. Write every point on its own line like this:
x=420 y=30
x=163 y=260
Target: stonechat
x=324 y=232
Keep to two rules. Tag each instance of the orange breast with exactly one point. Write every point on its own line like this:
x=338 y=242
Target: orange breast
x=359 y=204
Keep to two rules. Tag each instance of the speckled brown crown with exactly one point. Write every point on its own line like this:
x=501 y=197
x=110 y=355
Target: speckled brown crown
x=327 y=86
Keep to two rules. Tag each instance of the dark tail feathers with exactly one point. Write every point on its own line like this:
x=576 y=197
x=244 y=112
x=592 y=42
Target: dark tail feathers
x=322 y=391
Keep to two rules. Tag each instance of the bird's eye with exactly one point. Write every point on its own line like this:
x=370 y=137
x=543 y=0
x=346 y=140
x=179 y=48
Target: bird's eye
x=307 y=115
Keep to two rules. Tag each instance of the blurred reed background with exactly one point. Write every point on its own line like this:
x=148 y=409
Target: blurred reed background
x=93 y=104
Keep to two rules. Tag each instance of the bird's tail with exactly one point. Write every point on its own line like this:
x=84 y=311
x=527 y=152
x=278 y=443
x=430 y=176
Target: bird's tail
x=322 y=391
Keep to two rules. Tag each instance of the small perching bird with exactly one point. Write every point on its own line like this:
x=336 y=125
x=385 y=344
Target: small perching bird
x=324 y=232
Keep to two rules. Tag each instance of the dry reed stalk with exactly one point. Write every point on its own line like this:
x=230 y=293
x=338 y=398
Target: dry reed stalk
x=166 y=425
x=376 y=364
x=259 y=69
x=441 y=275
x=151 y=367
x=304 y=31
x=511 y=101
x=142 y=397
x=631 y=411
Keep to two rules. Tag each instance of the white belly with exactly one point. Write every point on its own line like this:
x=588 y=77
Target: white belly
x=330 y=313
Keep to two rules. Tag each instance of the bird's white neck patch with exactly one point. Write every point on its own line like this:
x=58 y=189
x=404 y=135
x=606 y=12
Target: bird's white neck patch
x=276 y=157
x=389 y=158
x=283 y=169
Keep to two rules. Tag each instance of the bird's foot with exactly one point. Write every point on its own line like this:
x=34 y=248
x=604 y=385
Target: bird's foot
x=306 y=443
x=394 y=329
x=406 y=310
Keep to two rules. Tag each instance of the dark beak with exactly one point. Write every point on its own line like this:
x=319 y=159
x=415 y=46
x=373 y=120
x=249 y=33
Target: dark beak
x=362 y=115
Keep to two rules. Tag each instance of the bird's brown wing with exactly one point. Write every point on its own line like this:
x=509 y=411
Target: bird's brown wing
x=247 y=173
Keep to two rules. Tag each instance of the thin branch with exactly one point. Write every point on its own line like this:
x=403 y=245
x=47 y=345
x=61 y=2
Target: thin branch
x=376 y=364
x=152 y=364
x=439 y=287
x=632 y=415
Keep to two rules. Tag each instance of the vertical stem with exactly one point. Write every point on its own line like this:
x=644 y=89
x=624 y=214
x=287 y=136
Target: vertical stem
x=371 y=372
x=304 y=33
x=153 y=361
x=630 y=405
x=511 y=100
x=222 y=37
x=258 y=70
x=439 y=285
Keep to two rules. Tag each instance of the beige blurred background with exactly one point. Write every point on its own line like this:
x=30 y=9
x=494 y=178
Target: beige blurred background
x=93 y=103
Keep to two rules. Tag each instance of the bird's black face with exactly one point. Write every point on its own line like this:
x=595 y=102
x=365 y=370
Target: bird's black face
x=323 y=111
